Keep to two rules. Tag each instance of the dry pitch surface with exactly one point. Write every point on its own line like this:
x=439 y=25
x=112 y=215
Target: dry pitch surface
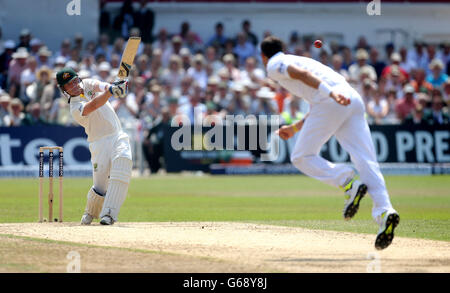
x=210 y=247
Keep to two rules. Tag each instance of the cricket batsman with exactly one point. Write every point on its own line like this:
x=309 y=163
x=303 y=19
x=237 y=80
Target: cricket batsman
x=108 y=144
x=335 y=109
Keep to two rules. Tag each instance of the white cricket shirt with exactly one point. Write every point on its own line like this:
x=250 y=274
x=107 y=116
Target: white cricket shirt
x=277 y=70
x=99 y=123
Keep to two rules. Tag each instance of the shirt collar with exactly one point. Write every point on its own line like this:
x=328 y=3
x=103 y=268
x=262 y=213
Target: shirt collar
x=277 y=54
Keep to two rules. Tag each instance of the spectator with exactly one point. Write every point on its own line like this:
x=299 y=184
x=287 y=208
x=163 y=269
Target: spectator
x=294 y=42
x=105 y=18
x=406 y=104
x=355 y=69
x=416 y=117
x=33 y=116
x=153 y=104
x=406 y=63
x=145 y=20
x=391 y=98
x=230 y=69
x=153 y=145
x=28 y=76
x=162 y=42
x=211 y=59
x=251 y=73
x=44 y=55
x=192 y=44
x=222 y=96
x=185 y=30
x=377 y=108
x=117 y=47
x=64 y=49
x=265 y=104
x=104 y=48
x=197 y=72
x=16 y=67
x=175 y=73
x=88 y=64
x=418 y=56
x=218 y=39
x=5 y=59
x=395 y=81
x=60 y=112
x=419 y=83
x=292 y=113
x=424 y=100
x=243 y=48
x=156 y=68
x=238 y=104
x=24 y=39
x=437 y=77
x=174 y=49
x=125 y=20
x=362 y=44
x=377 y=64
x=389 y=49
x=368 y=90
x=104 y=70
x=323 y=58
x=347 y=56
x=16 y=115
x=186 y=61
x=35 y=45
x=60 y=62
x=36 y=91
x=246 y=28
x=5 y=101
x=336 y=65
x=78 y=42
x=446 y=94
x=1 y=41
x=194 y=110
x=436 y=115
x=126 y=109
x=395 y=62
x=142 y=66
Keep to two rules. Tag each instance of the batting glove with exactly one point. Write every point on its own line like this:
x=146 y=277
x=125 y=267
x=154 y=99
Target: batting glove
x=119 y=89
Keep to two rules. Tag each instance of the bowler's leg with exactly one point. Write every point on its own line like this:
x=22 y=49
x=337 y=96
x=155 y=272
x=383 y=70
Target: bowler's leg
x=354 y=136
x=316 y=131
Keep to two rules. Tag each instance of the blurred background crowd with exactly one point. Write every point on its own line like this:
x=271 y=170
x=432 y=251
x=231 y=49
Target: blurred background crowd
x=178 y=72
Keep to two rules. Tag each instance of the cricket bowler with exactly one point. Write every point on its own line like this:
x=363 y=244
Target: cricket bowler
x=109 y=145
x=335 y=109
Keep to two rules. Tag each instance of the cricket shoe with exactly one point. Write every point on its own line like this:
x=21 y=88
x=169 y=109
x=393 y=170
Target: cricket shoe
x=86 y=219
x=355 y=191
x=389 y=221
x=107 y=220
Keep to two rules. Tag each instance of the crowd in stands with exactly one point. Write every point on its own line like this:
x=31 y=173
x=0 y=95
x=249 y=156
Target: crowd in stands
x=178 y=72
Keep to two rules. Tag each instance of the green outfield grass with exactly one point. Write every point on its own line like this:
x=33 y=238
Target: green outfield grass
x=423 y=202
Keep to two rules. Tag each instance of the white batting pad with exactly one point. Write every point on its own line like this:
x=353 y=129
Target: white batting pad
x=94 y=203
x=117 y=188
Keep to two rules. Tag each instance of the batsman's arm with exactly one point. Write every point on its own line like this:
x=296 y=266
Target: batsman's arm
x=313 y=81
x=118 y=90
x=101 y=86
x=96 y=103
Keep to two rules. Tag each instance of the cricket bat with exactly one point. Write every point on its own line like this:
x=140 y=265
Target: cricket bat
x=128 y=57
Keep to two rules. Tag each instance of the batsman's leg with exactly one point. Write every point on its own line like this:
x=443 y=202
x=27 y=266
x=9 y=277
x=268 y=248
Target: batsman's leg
x=101 y=165
x=116 y=193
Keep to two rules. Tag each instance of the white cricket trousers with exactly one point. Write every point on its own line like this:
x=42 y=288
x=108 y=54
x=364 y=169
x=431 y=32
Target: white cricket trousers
x=103 y=152
x=349 y=126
